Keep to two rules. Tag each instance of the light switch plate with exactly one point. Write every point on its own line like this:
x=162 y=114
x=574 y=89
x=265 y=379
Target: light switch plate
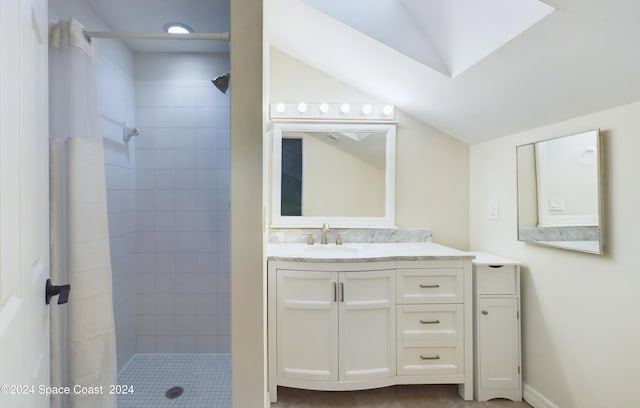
x=556 y=203
x=493 y=210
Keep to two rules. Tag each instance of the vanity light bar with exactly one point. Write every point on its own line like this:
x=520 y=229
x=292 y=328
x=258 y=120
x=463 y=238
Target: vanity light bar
x=332 y=111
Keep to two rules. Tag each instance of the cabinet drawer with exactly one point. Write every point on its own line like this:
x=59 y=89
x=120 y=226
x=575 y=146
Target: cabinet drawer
x=429 y=360
x=496 y=279
x=433 y=325
x=442 y=285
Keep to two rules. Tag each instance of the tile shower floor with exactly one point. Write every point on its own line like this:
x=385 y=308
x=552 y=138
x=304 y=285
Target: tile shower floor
x=204 y=377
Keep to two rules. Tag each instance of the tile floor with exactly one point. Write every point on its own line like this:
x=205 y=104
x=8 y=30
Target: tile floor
x=205 y=378
x=400 y=396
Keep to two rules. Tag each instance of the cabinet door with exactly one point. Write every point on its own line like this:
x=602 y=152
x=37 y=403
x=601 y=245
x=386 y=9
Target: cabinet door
x=307 y=325
x=367 y=325
x=499 y=343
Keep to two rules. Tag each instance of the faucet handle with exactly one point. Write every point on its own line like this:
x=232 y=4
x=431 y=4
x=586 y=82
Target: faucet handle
x=309 y=239
x=339 y=238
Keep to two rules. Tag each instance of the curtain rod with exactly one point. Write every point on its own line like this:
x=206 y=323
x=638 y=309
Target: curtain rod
x=156 y=36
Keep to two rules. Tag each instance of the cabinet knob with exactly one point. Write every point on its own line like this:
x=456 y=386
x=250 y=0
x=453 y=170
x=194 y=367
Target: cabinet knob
x=484 y=312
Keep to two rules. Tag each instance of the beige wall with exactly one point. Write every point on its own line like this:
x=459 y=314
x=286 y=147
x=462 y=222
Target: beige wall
x=247 y=283
x=432 y=185
x=337 y=183
x=581 y=328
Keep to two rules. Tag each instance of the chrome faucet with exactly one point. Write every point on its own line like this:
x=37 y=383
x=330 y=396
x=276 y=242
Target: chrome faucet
x=325 y=228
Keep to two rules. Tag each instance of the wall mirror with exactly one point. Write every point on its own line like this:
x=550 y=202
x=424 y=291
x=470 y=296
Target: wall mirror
x=336 y=173
x=559 y=192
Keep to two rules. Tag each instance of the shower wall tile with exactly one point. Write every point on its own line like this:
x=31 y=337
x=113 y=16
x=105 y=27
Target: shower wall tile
x=182 y=194
x=185 y=139
x=116 y=84
x=186 y=305
x=166 y=344
x=146 y=138
x=186 y=344
x=145 y=304
x=186 y=179
x=207 y=344
x=145 y=344
x=145 y=221
x=145 y=180
x=145 y=117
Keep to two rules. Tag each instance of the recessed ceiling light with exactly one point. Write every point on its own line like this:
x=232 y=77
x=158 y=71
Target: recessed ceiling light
x=177 y=28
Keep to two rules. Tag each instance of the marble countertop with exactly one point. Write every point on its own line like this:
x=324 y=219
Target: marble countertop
x=364 y=252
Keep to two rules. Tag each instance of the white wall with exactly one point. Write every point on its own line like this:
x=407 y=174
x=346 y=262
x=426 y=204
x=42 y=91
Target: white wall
x=182 y=203
x=580 y=312
x=432 y=185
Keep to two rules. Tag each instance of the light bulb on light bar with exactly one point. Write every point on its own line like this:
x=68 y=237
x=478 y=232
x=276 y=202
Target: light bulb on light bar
x=324 y=108
x=302 y=107
x=345 y=108
x=280 y=107
x=366 y=109
x=387 y=110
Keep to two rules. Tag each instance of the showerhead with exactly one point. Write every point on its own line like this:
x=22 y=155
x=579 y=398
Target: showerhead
x=222 y=82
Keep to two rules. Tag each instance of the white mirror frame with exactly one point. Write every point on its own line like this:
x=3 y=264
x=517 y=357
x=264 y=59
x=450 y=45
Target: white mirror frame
x=278 y=220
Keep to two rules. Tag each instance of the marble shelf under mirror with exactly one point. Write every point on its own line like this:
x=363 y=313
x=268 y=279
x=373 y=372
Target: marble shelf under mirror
x=352 y=235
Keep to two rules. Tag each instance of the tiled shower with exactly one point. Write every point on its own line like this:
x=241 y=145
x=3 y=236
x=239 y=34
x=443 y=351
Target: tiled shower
x=182 y=205
x=169 y=217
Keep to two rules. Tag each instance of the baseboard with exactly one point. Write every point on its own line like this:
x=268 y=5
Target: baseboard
x=535 y=398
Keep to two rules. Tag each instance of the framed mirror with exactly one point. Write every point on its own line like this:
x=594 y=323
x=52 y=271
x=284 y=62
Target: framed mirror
x=560 y=194
x=336 y=173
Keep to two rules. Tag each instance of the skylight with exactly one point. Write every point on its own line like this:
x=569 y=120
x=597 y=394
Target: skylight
x=449 y=36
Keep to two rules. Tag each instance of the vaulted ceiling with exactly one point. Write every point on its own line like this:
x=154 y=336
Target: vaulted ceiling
x=449 y=36
x=578 y=59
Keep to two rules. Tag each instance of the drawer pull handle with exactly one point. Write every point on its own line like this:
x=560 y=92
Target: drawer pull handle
x=335 y=292
x=429 y=286
x=437 y=357
x=430 y=321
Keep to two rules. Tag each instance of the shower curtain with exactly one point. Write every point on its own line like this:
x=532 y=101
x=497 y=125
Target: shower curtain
x=79 y=225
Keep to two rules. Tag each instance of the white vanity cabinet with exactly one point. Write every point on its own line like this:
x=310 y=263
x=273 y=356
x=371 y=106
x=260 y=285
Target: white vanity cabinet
x=497 y=328
x=435 y=323
x=352 y=325
x=335 y=324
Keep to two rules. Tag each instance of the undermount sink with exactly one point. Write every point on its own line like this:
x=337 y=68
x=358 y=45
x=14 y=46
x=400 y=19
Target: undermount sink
x=330 y=249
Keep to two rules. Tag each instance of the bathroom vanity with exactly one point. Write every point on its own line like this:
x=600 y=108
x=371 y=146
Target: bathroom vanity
x=360 y=316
